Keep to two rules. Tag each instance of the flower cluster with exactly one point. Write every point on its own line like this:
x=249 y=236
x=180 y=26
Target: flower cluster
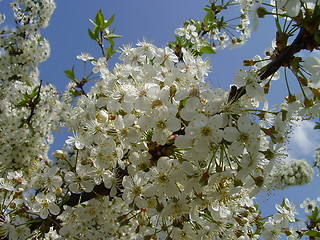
x=317 y=159
x=279 y=224
x=28 y=110
x=291 y=173
x=34 y=13
x=153 y=132
x=280 y=221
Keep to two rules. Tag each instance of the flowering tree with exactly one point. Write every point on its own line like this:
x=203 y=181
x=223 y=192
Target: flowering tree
x=156 y=153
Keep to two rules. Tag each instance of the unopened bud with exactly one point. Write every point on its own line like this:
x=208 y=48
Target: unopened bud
x=173 y=90
x=112 y=117
x=291 y=98
x=248 y=62
x=59 y=154
x=316 y=93
x=295 y=64
x=58 y=191
x=308 y=103
x=102 y=116
x=261 y=12
x=303 y=81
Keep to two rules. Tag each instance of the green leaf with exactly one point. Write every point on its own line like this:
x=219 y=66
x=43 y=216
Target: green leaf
x=70 y=74
x=32 y=98
x=39 y=39
x=209 y=17
x=111 y=41
x=316 y=11
x=183 y=102
x=312 y=233
x=96 y=33
x=93 y=35
x=99 y=19
x=34 y=92
x=317 y=126
x=112 y=35
x=109 y=22
x=207 y=49
x=110 y=51
x=315 y=213
x=207 y=9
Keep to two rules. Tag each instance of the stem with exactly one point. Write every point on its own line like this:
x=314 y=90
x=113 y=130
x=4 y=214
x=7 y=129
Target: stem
x=262 y=111
x=34 y=103
x=287 y=83
x=77 y=154
x=101 y=44
x=286 y=29
x=213 y=157
x=221 y=156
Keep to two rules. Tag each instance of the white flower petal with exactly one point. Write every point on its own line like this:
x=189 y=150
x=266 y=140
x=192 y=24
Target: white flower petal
x=173 y=124
x=293 y=8
x=183 y=141
x=54 y=209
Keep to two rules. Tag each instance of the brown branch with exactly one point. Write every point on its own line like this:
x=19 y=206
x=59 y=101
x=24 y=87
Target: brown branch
x=76 y=198
x=34 y=103
x=98 y=190
x=304 y=40
x=284 y=58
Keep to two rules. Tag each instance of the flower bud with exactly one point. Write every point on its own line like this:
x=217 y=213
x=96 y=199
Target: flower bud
x=249 y=62
x=58 y=191
x=59 y=154
x=261 y=12
x=173 y=90
x=291 y=98
x=308 y=102
x=102 y=116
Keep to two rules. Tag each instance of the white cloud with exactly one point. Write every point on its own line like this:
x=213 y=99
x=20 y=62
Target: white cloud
x=304 y=140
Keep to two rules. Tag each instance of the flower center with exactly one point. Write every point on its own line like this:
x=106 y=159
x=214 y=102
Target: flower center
x=206 y=131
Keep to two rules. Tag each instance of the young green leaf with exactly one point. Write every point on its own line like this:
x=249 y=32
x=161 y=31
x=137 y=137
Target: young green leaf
x=110 y=51
x=209 y=17
x=207 y=49
x=99 y=19
x=34 y=92
x=93 y=35
x=315 y=213
x=313 y=233
x=112 y=35
x=109 y=22
x=70 y=74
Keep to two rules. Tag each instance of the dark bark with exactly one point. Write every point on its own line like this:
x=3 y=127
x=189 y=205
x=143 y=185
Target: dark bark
x=304 y=40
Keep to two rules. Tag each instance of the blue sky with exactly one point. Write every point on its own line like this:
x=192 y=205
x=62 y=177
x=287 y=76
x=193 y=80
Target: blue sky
x=156 y=21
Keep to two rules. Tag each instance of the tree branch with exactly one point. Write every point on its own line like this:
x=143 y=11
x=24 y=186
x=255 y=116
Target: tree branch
x=284 y=58
x=304 y=40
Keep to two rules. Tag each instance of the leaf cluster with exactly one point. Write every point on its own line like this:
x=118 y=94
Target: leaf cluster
x=313 y=225
x=102 y=32
x=78 y=90
x=30 y=100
